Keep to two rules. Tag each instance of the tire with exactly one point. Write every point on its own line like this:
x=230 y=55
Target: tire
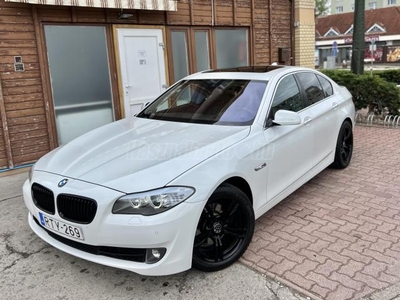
x=224 y=231
x=344 y=146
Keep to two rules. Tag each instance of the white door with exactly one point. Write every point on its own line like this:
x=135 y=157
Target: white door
x=323 y=106
x=142 y=65
x=291 y=146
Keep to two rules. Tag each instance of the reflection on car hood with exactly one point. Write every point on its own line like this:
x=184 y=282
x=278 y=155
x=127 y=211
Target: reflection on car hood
x=139 y=154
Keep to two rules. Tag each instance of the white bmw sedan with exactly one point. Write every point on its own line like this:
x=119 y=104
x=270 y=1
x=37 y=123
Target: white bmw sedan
x=182 y=183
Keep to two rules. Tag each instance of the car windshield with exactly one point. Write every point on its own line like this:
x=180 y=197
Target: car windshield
x=209 y=101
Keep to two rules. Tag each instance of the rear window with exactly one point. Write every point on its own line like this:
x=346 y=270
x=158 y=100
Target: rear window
x=209 y=101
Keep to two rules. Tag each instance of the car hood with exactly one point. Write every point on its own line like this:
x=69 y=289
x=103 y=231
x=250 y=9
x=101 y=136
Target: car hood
x=138 y=154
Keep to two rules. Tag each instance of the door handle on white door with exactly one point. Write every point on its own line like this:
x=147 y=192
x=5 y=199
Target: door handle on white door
x=128 y=85
x=335 y=105
x=307 y=120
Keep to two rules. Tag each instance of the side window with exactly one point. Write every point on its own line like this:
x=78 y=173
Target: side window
x=312 y=87
x=326 y=85
x=287 y=96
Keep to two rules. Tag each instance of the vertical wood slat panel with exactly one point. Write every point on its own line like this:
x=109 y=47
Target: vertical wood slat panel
x=234 y=12
x=113 y=71
x=5 y=129
x=270 y=29
x=191 y=12
x=253 y=32
x=45 y=88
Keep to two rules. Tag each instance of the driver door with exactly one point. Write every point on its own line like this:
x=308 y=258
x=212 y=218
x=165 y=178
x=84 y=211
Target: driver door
x=291 y=146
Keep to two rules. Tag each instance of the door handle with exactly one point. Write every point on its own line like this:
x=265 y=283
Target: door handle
x=335 y=105
x=307 y=120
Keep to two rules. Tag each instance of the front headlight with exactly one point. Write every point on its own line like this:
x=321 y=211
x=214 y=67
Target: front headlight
x=152 y=202
x=31 y=172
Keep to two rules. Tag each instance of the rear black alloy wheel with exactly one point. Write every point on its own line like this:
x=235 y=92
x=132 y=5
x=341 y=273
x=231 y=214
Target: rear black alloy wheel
x=344 y=146
x=224 y=230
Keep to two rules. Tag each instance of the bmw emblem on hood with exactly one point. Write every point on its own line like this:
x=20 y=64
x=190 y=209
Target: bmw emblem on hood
x=62 y=183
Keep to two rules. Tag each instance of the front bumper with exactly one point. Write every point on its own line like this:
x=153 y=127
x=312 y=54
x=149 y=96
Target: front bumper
x=174 y=229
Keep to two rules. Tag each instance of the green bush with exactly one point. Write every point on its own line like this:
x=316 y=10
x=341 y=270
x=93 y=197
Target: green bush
x=389 y=75
x=372 y=92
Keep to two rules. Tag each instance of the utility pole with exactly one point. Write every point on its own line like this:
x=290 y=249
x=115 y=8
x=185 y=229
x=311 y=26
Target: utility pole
x=357 y=59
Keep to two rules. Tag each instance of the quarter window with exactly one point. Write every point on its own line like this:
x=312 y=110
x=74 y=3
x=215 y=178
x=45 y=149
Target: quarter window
x=326 y=85
x=287 y=97
x=312 y=88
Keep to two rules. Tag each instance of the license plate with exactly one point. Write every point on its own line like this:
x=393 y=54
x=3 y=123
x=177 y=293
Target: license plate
x=60 y=227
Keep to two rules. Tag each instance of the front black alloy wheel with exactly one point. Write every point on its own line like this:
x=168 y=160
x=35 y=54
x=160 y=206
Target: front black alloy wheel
x=344 y=146
x=224 y=230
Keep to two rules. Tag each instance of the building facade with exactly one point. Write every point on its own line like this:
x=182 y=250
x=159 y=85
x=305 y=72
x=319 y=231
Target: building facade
x=345 y=6
x=334 y=37
x=67 y=67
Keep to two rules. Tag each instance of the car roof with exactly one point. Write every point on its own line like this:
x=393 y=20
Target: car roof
x=247 y=73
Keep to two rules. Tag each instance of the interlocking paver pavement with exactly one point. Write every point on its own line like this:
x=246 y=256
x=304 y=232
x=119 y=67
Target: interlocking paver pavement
x=338 y=236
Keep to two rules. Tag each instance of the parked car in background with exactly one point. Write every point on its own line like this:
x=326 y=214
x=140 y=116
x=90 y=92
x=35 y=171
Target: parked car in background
x=182 y=183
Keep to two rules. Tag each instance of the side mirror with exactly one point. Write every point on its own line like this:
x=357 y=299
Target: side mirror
x=287 y=117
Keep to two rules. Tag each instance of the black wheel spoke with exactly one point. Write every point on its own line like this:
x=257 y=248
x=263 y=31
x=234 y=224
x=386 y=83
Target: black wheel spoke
x=201 y=238
x=208 y=210
x=239 y=233
x=224 y=230
x=219 y=251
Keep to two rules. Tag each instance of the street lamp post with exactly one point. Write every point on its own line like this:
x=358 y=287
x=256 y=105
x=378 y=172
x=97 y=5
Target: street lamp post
x=372 y=48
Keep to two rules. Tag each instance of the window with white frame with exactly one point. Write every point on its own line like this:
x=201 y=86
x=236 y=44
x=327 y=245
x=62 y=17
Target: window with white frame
x=372 y=5
x=352 y=7
x=376 y=28
x=392 y=2
x=332 y=32
x=350 y=30
x=339 y=9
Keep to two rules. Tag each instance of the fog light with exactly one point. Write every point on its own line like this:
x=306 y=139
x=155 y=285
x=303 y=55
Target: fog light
x=154 y=255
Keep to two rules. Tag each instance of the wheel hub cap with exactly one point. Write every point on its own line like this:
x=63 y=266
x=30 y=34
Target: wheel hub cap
x=217 y=227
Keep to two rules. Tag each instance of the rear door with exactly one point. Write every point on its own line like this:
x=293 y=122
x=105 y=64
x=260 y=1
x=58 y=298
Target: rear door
x=323 y=106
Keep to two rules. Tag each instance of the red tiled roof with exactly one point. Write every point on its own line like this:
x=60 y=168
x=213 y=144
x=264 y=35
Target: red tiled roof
x=388 y=18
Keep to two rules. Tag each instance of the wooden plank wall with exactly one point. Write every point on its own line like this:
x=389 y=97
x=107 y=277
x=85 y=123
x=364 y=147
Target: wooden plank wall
x=22 y=91
x=3 y=155
x=280 y=30
x=261 y=36
x=267 y=35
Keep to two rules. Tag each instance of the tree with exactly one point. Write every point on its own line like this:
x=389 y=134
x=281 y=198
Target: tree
x=357 y=59
x=321 y=7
